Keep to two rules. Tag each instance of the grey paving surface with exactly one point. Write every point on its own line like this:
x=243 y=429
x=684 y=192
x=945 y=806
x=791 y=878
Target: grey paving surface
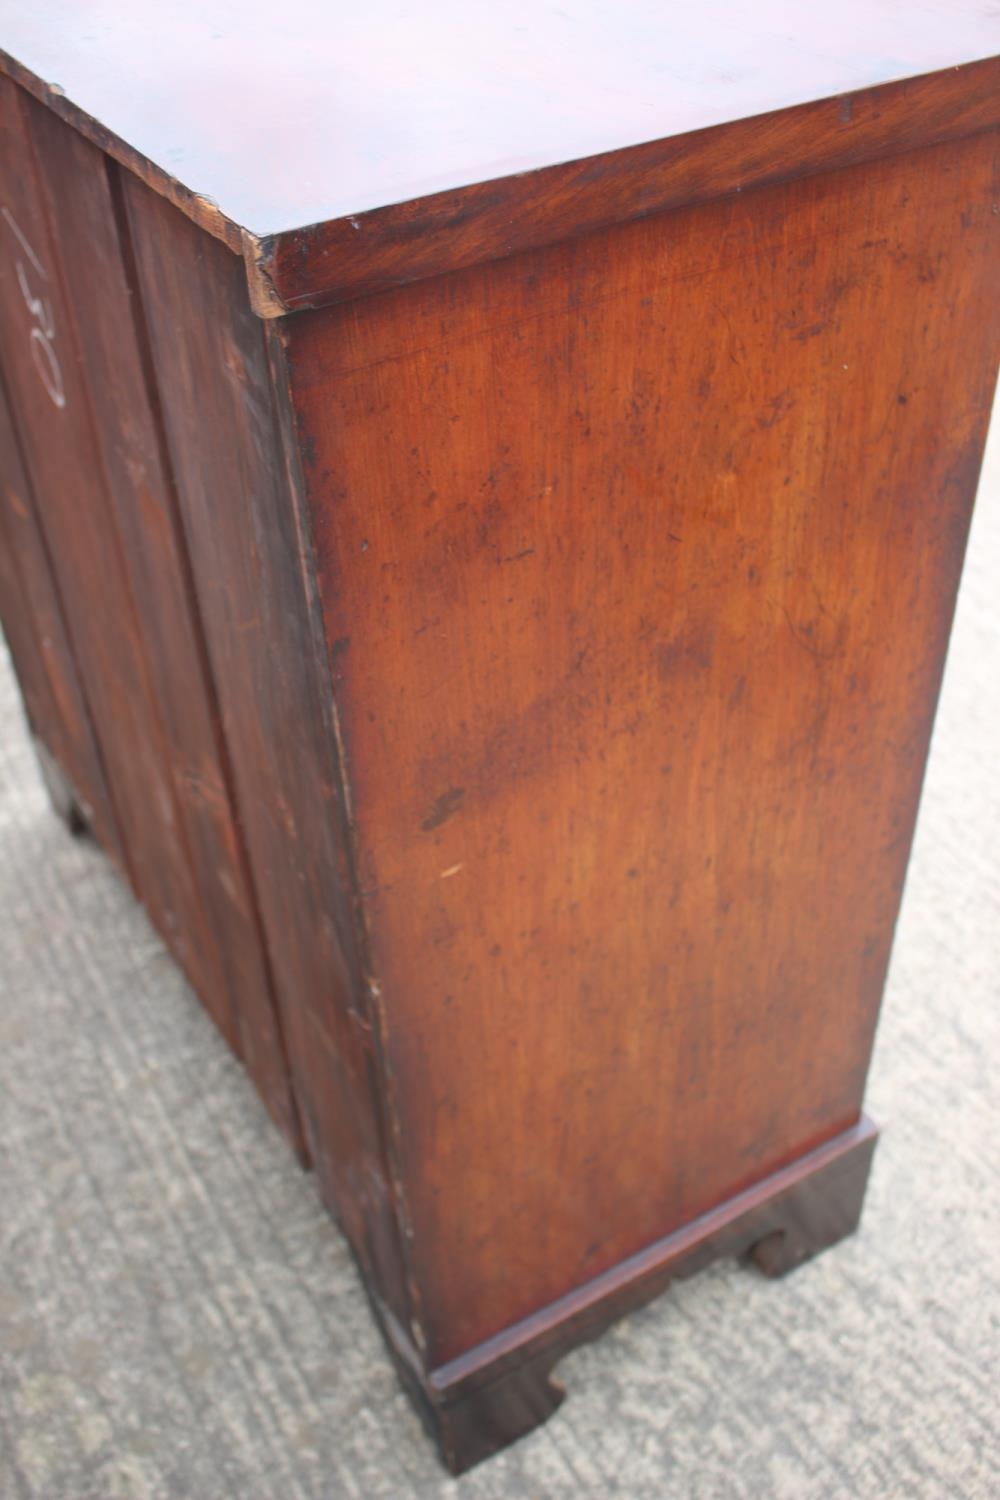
x=179 y=1318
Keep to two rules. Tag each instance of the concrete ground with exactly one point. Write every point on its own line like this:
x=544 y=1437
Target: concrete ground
x=178 y=1316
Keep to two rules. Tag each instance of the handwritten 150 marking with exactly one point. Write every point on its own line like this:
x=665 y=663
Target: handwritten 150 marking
x=43 y=353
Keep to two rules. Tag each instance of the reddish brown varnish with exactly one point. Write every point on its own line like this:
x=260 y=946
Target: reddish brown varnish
x=507 y=679
x=102 y=503
x=636 y=611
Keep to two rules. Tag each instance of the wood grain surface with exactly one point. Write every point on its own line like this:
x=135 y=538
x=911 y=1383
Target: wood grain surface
x=53 y=407
x=637 y=559
x=237 y=492
x=139 y=487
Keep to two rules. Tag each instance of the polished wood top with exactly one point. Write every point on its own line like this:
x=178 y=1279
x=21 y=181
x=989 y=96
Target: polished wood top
x=294 y=113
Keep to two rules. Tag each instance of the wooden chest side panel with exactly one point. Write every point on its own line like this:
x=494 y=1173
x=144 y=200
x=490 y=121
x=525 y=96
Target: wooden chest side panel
x=638 y=557
x=79 y=184
x=51 y=401
x=33 y=622
x=237 y=491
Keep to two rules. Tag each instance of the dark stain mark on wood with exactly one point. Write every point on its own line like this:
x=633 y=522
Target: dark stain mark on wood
x=445 y=807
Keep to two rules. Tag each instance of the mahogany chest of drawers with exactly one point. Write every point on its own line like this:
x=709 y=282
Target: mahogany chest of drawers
x=483 y=499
